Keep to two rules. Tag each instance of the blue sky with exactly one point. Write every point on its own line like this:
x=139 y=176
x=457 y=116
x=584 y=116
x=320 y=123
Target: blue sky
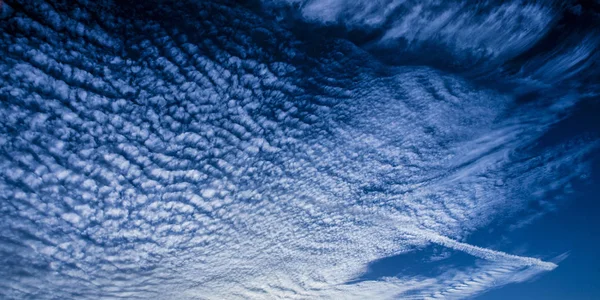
x=574 y=228
x=298 y=149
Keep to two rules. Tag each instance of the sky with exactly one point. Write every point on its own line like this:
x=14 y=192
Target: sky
x=299 y=149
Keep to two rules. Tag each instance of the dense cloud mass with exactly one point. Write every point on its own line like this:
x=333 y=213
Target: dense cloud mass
x=212 y=150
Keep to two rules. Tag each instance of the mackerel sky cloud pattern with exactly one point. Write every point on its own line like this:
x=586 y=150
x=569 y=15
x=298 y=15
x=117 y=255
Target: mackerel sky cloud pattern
x=212 y=150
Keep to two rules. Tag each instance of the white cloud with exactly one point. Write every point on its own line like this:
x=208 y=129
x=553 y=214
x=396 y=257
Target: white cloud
x=203 y=161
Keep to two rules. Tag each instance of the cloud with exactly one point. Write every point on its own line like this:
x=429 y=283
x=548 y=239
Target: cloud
x=484 y=253
x=470 y=31
x=200 y=151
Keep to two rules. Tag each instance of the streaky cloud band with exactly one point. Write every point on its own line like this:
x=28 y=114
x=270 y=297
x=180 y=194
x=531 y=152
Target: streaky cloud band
x=480 y=252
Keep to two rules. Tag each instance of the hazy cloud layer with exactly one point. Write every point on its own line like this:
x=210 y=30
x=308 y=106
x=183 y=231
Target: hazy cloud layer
x=199 y=151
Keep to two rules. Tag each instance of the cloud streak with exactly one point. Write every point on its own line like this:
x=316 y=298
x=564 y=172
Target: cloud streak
x=487 y=254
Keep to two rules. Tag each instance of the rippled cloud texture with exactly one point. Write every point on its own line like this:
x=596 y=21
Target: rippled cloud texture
x=214 y=150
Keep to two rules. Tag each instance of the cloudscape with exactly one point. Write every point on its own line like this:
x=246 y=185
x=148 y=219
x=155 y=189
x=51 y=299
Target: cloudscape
x=299 y=149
